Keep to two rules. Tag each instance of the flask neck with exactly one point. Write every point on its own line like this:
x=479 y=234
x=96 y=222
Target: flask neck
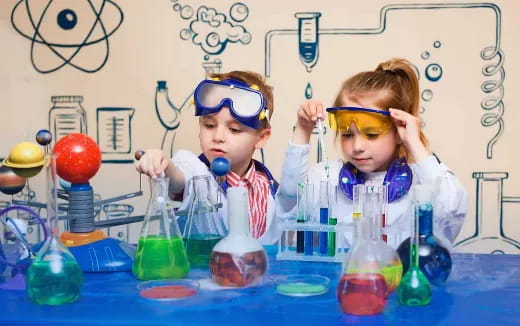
x=425 y=215
x=238 y=211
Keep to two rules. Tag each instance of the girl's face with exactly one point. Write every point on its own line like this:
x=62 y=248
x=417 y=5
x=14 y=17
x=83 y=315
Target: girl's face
x=370 y=153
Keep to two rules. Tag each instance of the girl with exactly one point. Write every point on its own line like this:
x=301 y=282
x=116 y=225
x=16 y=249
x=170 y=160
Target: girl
x=375 y=117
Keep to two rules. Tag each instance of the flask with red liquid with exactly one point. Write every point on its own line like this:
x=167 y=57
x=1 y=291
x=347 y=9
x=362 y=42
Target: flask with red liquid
x=238 y=260
x=362 y=289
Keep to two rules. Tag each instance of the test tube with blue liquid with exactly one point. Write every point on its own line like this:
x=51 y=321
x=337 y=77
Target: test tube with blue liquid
x=324 y=215
x=308 y=235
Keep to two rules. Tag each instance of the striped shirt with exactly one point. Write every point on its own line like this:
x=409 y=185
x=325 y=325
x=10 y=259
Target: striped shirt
x=257 y=185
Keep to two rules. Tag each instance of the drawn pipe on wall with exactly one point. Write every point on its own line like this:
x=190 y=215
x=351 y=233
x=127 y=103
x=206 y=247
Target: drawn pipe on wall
x=308 y=33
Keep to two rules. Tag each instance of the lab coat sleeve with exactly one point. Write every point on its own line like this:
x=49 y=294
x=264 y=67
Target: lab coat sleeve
x=450 y=200
x=294 y=171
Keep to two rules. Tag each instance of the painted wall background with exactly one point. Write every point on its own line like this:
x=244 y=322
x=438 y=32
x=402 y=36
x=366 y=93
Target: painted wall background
x=107 y=58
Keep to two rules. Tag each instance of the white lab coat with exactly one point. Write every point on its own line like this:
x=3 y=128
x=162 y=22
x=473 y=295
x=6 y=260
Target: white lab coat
x=449 y=207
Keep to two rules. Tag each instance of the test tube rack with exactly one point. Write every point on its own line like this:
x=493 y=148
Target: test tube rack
x=287 y=250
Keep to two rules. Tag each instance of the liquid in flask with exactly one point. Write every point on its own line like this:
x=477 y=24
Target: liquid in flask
x=160 y=249
x=238 y=260
x=54 y=277
x=204 y=228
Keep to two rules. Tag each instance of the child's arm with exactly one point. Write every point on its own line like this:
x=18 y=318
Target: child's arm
x=154 y=162
x=408 y=128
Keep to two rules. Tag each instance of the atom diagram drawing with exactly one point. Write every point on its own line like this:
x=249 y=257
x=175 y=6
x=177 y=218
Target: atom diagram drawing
x=64 y=33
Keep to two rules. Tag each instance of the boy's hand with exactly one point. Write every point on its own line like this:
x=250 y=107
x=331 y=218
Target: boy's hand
x=307 y=116
x=409 y=130
x=152 y=163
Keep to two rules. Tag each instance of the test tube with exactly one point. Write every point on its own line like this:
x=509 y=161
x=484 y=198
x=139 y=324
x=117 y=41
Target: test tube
x=301 y=215
x=333 y=219
x=308 y=235
x=384 y=212
x=324 y=214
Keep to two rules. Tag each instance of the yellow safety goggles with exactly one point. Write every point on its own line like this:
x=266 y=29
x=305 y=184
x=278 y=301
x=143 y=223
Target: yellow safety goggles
x=369 y=122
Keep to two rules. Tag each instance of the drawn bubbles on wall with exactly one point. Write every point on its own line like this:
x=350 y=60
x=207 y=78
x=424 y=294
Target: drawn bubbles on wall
x=238 y=12
x=433 y=72
x=211 y=30
x=76 y=35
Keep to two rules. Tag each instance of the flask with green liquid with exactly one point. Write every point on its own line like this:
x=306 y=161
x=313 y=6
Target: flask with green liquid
x=160 y=250
x=204 y=228
x=54 y=277
x=414 y=289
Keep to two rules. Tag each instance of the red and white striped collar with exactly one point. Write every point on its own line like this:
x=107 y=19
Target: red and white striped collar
x=235 y=180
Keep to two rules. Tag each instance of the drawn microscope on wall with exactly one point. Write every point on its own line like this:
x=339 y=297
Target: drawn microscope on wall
x=309 y=33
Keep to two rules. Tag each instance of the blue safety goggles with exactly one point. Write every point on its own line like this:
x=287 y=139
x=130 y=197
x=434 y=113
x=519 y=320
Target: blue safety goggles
x=246 y=103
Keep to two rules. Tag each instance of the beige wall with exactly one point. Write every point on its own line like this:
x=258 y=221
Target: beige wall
x=154 y=43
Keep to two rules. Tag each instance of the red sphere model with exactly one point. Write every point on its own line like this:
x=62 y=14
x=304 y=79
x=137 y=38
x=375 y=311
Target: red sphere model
x=78 y=158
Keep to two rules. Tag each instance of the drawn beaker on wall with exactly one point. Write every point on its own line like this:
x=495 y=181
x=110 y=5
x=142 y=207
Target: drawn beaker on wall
x=308 y=28
x=489 y=231
x=67 y=116
x=114 y=133
x=120 y=232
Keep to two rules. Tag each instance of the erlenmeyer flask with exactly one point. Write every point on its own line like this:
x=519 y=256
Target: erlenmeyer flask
x=362 y=289
x=434 y=259
x=54 y=276
x=414 y=289
x=238 y=259
x=204 y=228
x=160 y=250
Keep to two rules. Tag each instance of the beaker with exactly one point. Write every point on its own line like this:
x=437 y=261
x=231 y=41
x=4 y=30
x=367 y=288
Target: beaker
x=160 y=250
x=434 y=259
x=414 y=289
x=54 y=277
x=238 y=260
x=114 y=133
x=203 y=228
x=362 y=289
x=67 y=116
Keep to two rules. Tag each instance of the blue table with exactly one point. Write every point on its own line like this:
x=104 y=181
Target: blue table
x=482 y=290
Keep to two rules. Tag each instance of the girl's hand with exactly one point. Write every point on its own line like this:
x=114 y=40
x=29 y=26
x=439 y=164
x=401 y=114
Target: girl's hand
x=409 y=130
x=153 y=163
x=307 y=116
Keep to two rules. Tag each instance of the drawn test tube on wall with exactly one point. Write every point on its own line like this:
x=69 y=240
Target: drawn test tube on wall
x=114 y=134
x=67 y=116
x=308 y=38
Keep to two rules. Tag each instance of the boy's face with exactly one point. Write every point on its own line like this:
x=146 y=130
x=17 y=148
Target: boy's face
x=221 y=135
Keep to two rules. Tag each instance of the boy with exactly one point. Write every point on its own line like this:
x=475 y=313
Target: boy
x=234 y=111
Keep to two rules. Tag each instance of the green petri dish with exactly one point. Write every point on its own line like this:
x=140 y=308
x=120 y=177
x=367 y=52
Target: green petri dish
x=301 y=285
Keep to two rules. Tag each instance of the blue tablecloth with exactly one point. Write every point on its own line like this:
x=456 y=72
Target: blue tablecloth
x=482 y=290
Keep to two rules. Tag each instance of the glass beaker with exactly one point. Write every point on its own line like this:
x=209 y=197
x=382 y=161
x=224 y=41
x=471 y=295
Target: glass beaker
x=414 y=289
x=238 y=260
x=67 y=116
x=204 y=228
x=160 y=250
x=434 y=259
x=54 y=277
x=362 y=289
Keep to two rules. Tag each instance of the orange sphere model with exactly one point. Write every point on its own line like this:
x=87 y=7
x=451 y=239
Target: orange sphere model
x=78 y=158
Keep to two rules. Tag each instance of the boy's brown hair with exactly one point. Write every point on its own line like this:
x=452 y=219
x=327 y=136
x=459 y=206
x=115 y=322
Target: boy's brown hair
x=252 y=78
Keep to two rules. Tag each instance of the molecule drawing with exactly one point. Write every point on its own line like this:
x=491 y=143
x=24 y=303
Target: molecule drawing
x=76 y=35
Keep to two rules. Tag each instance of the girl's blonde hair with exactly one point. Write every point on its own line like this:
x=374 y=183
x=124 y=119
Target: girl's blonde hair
x=397 y=86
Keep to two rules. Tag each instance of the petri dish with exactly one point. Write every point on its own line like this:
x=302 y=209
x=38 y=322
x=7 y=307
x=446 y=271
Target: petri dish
x=168 y=290
x=302 y=285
